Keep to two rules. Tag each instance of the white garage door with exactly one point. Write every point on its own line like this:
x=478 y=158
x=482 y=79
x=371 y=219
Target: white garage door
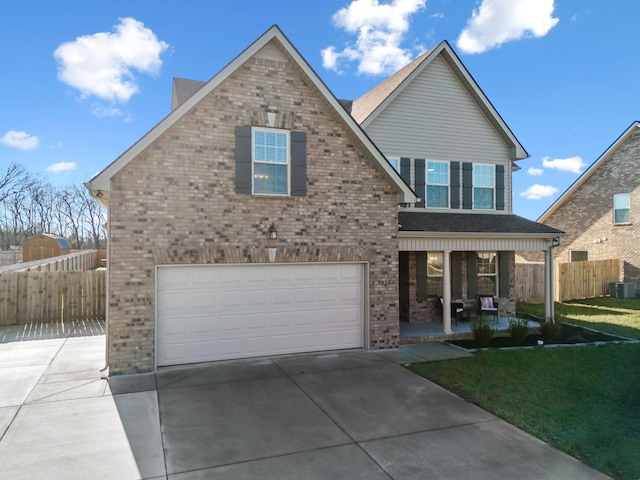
x=216 y=312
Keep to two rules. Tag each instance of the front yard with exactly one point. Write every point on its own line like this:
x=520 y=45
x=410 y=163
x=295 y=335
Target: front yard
x=583 y=400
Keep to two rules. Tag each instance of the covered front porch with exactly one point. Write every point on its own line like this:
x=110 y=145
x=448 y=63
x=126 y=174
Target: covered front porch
x=449 y=260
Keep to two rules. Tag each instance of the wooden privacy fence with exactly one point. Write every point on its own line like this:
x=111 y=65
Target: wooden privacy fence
x=572 y=280
x=82 y=260
x=42 y=296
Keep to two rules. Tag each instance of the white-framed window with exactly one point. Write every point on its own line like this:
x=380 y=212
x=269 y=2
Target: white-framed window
x=395 y=162
x=434 y=274
x=487 y=272
x=621 y=208
x=270 y=161
x=484 y=182
x=437 y=185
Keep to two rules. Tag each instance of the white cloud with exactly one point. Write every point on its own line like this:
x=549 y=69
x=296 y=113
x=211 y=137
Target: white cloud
x=571 y=164
x=21 y=140
x=61 y=167
x=102 y=64
x=380 y=30
x=536 y=172
x=537 y=192
x=101 y=111
x=499 y=21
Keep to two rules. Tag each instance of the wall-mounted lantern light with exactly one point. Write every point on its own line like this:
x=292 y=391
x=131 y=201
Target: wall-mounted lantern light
x=273 y=232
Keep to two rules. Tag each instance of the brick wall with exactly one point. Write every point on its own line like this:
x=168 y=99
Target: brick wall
x=587 y=216
x=176 y=204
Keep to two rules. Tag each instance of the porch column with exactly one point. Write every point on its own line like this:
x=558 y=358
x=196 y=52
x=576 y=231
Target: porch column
x=548 y=283
x=446 y=292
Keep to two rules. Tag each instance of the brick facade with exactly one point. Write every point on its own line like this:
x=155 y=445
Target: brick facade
x=175 y=203
x=587 y=215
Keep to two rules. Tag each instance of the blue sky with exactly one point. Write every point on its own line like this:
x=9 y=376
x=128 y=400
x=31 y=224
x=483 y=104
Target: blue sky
x=562 y=74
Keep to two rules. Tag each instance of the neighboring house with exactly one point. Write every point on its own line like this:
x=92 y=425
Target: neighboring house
x=259 y=218
x=599 y=211
x=434 y=123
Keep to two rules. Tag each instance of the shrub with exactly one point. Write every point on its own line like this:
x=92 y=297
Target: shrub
x=482 y=331
x=518 y=329
x=551 y=327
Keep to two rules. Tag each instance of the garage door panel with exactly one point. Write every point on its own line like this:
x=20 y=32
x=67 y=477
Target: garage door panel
x=174 y=278
x=258 y=321
x=232 y=298
x=304 y=340
x=217 y=312
x=349 y=293
x=305 y=295
x=204 y=324
x=203 y=300
x=173 y=301
x=232 y=322
x=281 y=297
x=174 y=326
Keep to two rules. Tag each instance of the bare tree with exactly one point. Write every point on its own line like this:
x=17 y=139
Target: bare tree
x=30 y=206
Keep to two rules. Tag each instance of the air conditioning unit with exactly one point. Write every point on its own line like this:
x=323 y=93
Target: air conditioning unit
x=622 y=290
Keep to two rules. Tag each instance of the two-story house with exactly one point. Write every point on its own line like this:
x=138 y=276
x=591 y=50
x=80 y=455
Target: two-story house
x=436 y=126
x=258 y=218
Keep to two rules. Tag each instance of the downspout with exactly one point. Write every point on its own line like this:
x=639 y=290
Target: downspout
x=549 y=280
x=98 y=195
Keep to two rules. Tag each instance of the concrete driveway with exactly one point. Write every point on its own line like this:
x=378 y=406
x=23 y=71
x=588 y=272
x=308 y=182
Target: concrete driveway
x=352 y=415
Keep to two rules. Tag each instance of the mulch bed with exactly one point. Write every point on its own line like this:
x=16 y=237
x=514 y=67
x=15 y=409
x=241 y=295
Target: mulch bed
x=569 y=334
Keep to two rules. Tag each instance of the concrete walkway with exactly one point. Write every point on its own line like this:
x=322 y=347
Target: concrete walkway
x=350 y=414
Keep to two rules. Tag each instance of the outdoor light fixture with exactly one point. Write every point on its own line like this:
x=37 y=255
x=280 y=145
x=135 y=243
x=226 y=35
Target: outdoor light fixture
x=273 y=232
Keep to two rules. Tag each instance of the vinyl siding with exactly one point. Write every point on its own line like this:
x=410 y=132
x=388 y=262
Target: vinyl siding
x=435 y=118
x=422 y=244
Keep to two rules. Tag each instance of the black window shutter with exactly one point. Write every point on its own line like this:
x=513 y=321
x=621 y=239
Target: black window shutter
x=467 y=186
x=420 y=182
x=243 y=159
x=472 y=275
x=456 y=274
x=405 y=170
x=454 y=171
x=503 y=274
x=298 y=164
x=421 y=275
x=499 y=187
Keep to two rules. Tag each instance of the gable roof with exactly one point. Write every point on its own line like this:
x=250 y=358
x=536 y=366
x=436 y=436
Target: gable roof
x=99 y=185
x=371 y=104
x=589 y=171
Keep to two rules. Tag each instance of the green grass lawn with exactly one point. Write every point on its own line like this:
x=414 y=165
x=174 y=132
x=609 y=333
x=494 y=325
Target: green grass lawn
x=609 y=315
x=583 y=400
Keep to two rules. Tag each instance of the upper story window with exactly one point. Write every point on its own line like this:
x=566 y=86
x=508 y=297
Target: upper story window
x=483 y=186
x=395 y=163
x=270 y=158
x=437 y=185
x=622 y=208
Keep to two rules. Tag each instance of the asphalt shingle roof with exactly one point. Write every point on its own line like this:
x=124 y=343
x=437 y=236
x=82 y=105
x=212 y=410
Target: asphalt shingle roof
x=471 y=223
